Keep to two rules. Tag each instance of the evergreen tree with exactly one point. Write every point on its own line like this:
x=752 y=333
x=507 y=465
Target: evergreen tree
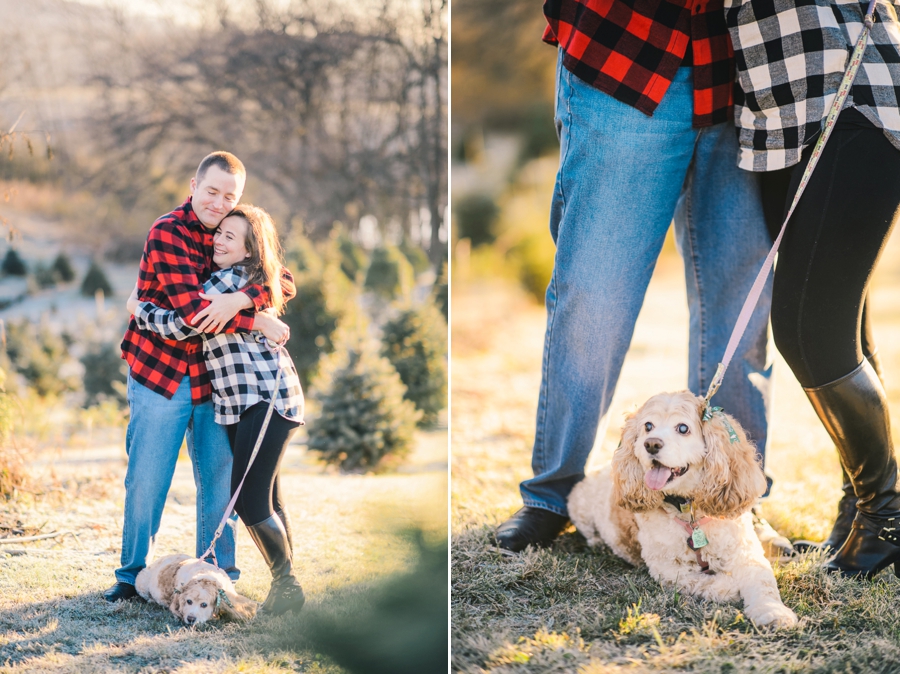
x=313 y=315
x=416 y=344
x=352 y=257
x=415 y=256
x=13 y=264
x=439 y=292
x=363 y=414
x=104 y=374
x=94 y=280
x=38 y=354
x=62 y=265
x=390 y=274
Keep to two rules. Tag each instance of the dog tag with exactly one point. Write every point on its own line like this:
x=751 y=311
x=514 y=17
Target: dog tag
x=698 y=538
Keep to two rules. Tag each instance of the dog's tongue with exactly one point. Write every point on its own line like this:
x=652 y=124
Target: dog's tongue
x=656 y=477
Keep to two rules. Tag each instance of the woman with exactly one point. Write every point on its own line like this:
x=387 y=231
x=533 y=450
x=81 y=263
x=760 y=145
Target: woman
x=243 y=370
x=791 y=56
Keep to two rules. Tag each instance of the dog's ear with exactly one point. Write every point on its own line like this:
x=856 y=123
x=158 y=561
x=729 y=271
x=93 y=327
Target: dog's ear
x=629 y=490
x=176 y=606
x=234 y=606
x=733 y=479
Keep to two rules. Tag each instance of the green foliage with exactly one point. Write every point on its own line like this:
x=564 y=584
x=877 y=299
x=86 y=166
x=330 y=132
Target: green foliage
x=45 y=275
x=94 y=280
x=534 y=256
x=104 y=374
x=38 y=354
x=439 y=292
x=476 y=216
x=300 y=255
x=403 y=630
x=363 y=414
x=62 y=265
x=416 y=344
x=352 y=256
x=13 y=264
x=415 y=255
x=390 y=274
x=313 y=316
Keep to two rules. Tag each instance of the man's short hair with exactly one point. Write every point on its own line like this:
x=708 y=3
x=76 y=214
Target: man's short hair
x=225 y=161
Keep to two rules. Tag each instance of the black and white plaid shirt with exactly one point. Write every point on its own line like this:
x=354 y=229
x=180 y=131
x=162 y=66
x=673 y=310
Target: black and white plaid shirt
x=242 y=366
x=791 y=56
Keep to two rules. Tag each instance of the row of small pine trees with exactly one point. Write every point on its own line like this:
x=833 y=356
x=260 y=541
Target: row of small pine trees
x=371 y=393
x=57 y=272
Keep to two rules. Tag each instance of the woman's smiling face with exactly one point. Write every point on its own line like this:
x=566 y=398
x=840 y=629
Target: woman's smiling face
x=229 y=242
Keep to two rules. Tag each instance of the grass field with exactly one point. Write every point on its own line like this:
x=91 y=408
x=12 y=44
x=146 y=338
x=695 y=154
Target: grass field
x=349 y=532
x=575 y=609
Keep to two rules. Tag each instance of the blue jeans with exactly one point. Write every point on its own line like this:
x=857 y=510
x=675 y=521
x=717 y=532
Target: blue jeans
x=622 y=178
x=153 y=440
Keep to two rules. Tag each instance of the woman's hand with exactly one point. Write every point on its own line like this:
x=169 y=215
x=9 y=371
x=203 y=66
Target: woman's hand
x=276 y=331
x=132 y=303
x=221 y=309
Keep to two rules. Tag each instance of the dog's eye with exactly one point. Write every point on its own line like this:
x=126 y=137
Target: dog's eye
x=683 y=429
x=190 y=602
x=203 y=605
x=648 y=426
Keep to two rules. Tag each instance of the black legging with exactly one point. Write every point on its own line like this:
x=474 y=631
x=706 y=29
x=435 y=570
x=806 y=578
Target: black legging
x=260 y=496
x=832 y=243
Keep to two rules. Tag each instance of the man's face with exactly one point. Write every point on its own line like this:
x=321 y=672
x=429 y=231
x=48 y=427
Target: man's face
x=215 y=195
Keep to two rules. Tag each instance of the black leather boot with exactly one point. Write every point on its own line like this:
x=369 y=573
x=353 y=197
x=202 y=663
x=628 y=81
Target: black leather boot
x=285 y=594
x=530 y=526
x=854 y=411
x=847 y=504
x=288 y=528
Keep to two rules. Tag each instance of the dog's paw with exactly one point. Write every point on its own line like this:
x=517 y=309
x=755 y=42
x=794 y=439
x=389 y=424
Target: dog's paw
x=777 y=616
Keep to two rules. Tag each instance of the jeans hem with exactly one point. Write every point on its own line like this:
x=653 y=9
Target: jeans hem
x=545 y=506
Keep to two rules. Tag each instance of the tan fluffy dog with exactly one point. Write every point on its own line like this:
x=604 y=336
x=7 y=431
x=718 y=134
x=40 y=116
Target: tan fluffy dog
x=192 y=590
x=671 y=465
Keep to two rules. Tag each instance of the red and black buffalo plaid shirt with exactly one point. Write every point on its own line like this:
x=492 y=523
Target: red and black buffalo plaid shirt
x=177 y=260
x=631 y=49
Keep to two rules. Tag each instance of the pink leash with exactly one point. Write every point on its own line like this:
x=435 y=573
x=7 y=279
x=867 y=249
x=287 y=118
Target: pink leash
x=210 y=551
x=756 y=290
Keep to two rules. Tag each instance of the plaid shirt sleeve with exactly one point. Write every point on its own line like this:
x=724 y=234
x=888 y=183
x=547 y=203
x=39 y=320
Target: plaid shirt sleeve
x=166 y=255
x=168 y=324
x=164 y=322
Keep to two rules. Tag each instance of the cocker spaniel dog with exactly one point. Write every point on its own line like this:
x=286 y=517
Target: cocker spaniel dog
x=677 y=498
x=192 y=590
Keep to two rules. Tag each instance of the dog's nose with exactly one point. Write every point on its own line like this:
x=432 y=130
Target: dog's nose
x=653 y=445
x=190 y=619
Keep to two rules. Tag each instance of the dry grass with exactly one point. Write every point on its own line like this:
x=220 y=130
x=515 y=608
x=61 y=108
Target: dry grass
x=573 y=609
x=348 y=538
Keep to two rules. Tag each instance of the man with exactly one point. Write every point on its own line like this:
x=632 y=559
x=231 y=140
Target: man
x=169 y=391
x=643 y=110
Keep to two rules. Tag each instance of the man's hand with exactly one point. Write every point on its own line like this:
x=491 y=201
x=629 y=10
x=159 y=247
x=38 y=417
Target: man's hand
x=275 y=330
x=132 y=303
x=221 y=309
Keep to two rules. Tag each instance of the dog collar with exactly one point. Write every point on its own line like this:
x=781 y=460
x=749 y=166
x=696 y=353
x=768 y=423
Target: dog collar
x=681 y=502
x=696 y=536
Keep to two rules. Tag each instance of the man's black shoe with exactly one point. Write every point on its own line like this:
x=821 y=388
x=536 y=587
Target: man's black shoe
x=530 y=526
x=120 y=592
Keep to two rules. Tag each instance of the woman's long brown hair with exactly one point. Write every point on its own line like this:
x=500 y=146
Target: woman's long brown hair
x=266 y=255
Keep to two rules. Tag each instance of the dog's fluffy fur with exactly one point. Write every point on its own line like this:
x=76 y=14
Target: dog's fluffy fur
x=190 y=589
x=622 y=505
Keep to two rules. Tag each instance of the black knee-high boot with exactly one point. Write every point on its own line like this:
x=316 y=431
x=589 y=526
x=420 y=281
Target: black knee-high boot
x=847 y=505
x=854 y=411
x=285 y=594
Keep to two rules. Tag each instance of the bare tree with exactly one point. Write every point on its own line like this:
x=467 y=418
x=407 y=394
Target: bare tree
x=336 y=117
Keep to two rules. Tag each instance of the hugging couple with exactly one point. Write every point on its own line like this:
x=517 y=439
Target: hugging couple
x=204 y=350
x=648 y=95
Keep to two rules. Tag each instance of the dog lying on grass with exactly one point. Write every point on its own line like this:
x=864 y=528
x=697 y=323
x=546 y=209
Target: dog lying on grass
x=677 y=498
x=192 y=590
